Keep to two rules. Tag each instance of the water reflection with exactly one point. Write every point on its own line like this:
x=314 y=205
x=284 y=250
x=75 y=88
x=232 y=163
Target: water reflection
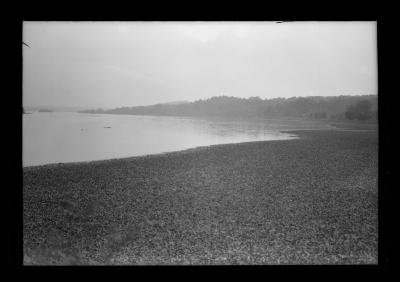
x=70 y=137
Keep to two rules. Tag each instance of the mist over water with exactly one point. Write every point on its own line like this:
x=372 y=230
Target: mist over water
x=60 y=137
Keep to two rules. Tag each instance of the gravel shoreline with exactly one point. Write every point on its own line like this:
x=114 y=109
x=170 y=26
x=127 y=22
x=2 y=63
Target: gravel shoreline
x=311 y=200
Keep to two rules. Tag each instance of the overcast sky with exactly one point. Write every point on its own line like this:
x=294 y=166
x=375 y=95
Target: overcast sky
x=113 y=64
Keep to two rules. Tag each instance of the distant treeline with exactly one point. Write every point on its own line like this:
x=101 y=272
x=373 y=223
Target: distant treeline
x=335 y=107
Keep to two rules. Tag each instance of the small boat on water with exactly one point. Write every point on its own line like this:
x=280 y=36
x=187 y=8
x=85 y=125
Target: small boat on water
x=24 y=112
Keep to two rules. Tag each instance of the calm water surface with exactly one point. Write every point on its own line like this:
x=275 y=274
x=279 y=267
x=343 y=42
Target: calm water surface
x=71 y=137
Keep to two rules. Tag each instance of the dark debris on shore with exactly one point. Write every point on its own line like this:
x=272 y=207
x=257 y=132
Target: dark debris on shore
x=311 y=200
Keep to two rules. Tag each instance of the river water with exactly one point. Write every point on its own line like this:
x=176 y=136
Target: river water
x=60 y=137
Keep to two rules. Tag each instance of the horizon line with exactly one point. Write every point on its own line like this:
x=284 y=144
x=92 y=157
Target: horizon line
x=201 y=99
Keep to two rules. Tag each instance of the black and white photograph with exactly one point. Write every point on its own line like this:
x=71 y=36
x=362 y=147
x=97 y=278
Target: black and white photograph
x=199 y=143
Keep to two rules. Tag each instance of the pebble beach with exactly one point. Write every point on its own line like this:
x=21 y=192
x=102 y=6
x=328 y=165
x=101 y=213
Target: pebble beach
x=311 y=200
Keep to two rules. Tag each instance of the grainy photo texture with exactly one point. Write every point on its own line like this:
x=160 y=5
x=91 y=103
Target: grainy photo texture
x=200 y=143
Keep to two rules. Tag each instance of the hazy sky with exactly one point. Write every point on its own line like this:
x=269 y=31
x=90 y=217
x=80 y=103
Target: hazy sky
x=112 y=64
